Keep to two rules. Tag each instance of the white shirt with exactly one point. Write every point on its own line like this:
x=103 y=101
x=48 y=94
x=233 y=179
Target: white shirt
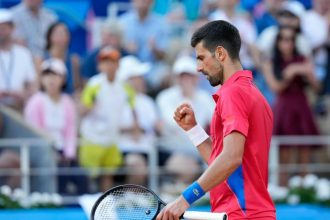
x=55 y=120
x=174 y=138
x=147 y=117
x=16 y=69
x=101 y=125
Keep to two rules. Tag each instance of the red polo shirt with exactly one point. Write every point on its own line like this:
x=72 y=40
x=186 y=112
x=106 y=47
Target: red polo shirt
x=241 y=107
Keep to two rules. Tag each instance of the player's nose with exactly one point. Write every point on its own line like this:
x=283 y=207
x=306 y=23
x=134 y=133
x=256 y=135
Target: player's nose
x=199 y=68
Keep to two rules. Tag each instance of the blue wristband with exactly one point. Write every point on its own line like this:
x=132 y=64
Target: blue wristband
x=193 y=193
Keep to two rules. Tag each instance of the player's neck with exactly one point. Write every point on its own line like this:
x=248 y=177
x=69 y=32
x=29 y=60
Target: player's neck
x=231 y=69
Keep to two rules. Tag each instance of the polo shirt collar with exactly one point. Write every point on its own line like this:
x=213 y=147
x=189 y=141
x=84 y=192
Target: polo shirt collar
x=231 y=80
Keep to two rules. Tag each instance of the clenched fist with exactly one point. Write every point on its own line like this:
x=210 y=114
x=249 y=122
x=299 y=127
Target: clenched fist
x=185 y=117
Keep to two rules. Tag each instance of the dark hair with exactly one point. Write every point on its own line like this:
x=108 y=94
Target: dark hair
x=50 y=32
x=278 y=58
x=218 y=33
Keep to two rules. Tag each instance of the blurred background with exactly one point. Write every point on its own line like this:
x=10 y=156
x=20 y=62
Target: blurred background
x=88 y=89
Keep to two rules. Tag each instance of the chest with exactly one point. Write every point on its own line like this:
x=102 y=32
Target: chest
x=216 y=127
x=13 y=74
x=111 y=98
x=55 y=116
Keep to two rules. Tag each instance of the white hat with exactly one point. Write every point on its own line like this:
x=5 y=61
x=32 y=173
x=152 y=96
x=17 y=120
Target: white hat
x=185 y=64
x=55 y=65
x=5 y=16
x=294 y=7
x=130 y=66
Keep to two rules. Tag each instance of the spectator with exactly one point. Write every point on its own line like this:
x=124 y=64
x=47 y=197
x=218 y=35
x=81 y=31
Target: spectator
x=290 y=15
x=111 y=35
x=140 y=120
x=287 y=76
x=265 y=13
x=227 y=10
x=174 y=141
x=17 y=72
x=32 y=22
x=103 y=101
x=146 y=36
x=57 y=46
x=54 y=112
x=8 y=160
x=315 y=27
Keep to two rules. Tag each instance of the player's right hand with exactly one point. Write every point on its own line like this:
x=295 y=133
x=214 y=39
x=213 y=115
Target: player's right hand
x=185 y=117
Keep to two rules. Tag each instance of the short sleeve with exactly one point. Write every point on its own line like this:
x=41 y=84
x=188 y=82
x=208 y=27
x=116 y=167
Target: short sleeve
x=234 y=112
x=89 y=94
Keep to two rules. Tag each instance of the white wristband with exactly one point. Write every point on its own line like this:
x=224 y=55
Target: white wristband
x=197 y=135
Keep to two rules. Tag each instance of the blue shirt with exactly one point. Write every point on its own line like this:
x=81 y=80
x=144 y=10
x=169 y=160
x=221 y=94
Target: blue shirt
x=153 y=27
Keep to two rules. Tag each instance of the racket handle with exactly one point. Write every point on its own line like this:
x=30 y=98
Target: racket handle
x=193 y=215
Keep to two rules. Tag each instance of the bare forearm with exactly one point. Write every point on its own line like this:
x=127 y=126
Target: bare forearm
x=205 y=149
x=218 y=172
x=226 y=163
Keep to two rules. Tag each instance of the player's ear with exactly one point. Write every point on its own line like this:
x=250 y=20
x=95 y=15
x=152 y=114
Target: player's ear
x=220 y=53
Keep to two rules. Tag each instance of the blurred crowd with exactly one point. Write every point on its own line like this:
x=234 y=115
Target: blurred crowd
x=108 y=108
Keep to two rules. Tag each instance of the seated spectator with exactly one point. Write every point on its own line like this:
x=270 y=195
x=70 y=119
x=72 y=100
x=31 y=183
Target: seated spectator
x=32 y=22
x=146 y=35
x=54 y=112
x=173 y=138
x=111 y=35
x=287 y=75
x=140 y=121
x=57 y=46
x=9 y=159
x=103 y=101
x=17 y=72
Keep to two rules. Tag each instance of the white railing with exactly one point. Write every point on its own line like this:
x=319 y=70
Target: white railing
x=275 y=167
x=274 y=163
x=23 y=144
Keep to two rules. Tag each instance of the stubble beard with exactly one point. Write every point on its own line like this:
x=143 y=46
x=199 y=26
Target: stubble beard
x=216 y=79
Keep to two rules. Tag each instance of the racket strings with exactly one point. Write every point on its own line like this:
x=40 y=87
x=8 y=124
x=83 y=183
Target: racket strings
x=127 y=204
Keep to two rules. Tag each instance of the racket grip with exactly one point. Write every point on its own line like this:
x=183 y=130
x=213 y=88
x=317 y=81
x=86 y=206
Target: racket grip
x=193 y=215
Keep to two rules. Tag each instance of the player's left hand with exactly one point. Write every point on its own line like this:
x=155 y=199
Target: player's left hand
x=173 y=210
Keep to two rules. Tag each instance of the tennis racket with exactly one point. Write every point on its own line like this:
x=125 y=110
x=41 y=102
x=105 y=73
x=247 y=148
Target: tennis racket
x=134 y=202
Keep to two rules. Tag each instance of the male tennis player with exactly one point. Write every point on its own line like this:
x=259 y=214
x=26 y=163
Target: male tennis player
x=241 y=128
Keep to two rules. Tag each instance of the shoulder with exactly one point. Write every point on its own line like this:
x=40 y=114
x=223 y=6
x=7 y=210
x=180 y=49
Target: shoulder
x=17 y=9
x=36 y=99
x=96 y=80
x=235 y=92
x=67 y=99
x=68 y=103
x=168 y=93
x=146 y=100
x=21 y=50
x=50 y=15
